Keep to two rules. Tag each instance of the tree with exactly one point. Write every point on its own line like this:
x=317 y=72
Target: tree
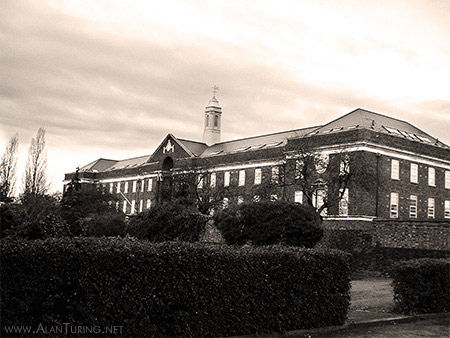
x=35 y=181
x=8 y=167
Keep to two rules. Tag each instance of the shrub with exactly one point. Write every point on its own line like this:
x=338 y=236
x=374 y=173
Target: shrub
x=266 y=223
x=107 y=224
x=172 y=288
x=168 y=221
x=422 y=285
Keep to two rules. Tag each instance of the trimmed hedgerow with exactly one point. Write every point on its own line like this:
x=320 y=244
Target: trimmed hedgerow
x=421 y=285
x=267 y=223
x=168 y=222
x=172 y=288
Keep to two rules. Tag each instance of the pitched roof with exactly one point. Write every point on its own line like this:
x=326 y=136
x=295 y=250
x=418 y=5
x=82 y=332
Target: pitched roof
x=364 y=119
x=195 y=147
x=255 y=143
x=130 y=162
x=98 y=165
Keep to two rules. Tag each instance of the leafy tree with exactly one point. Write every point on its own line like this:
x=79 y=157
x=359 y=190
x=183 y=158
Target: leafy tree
x=8 y=167
x=35 y=180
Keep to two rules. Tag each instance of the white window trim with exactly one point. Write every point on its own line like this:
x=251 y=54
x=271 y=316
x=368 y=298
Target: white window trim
x=395 y=169
x=258 y=176
x=226 y=179
x=414 y=173
x=447 y=209
x=241 y=178
x=413 y=198
x=431 y=178
x=431 y=210
x=394 y=198
x=298 y=196
x=212 y=180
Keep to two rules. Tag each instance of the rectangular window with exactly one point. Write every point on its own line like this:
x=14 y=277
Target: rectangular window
x=213 y=179
x=226 y=179
x=225 y=202
x=142 y=185
x=134 y=186
x=133 y=205
x=118 y=187
x=344 y=167
x=343 y=203
x=273 y=197
x=240 y=200
x=394 y=205
x=447 y=209
x=241 y=177
x=431 y=177
x=141 y=205
x=256 y=198
x=298 y=169
x=150 y=184
x=298 y=197
x=318 y=200
x=117 y=205
x=258 y=176
x=124 y=207
x=431 y=208
x=125 y=189
x=111 y=188
x=414 y=175
x=413 y=206
x=149 y=203
x=200 y=182
x=395 y=170
x=275 y=175
x=447 y=179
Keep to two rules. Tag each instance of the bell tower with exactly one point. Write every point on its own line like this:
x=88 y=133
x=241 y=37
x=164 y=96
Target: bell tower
x=213 y=120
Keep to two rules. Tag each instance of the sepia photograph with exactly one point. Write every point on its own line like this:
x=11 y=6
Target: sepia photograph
x=225 y=168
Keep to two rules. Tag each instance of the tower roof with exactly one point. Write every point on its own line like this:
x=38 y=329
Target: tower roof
x=213 y=103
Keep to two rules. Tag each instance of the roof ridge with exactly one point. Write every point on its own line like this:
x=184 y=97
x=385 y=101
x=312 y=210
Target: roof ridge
x=280 y=132
x=131 y=158
x=184 y=139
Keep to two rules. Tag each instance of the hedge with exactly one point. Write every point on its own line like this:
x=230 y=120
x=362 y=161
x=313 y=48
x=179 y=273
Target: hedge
x=421 y=285
x=172 y=288
x=267 y=223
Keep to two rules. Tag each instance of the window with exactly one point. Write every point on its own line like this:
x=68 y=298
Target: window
x=241 y=177
x=111 y=187
x=258 y=176
x=133 y=205
x=124 y=207
x=125 y=189
x=256 y=198
x=134 y=186
x=395 y=170
x=213 y=180
x=240 y=200
x=431 y=208
x=318 y=200
x=273 y=197
x=413 y=206
x=394 y=205
x=142 y=185
x=150 y=184
x=149 y=203
x=141 y=205
x=275 y=175
x=298 y=196
x=200 y=182
x=298 y=169
x=226 y=179
x=344 y=167
x=225 y=202
x=431 y=177
x=343 y=203
x=216 y=121
x=118 y=187
x=414 y=177
x=447 y=179
x=117 y=205
x=207 y=120
x=447 y=209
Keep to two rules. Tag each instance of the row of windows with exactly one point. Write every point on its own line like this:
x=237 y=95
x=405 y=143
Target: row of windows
x=138 y=185
x=275 y=177
x=414 y=174
x=133 y=208
x=413 y=209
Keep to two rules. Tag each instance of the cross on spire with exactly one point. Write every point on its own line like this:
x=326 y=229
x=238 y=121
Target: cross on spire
x=215 y=89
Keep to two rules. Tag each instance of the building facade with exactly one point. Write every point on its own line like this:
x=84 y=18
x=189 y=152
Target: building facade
x=409 y=169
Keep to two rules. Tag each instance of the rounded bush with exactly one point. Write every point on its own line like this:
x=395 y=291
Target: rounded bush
x=266 y=223
x=111 y=224
x=167 y=222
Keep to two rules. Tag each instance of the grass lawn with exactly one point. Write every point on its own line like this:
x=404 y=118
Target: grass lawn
x=372 y=294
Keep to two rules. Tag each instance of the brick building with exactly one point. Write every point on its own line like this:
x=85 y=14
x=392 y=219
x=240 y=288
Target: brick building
x=410 y=169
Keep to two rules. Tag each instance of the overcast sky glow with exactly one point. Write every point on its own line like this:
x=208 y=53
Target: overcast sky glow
x=111 y=78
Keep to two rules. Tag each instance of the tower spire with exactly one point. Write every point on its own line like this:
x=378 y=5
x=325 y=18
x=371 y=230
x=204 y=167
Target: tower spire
x=213 y=117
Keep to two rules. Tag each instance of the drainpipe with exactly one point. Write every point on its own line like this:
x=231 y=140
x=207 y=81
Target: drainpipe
x=377 y=183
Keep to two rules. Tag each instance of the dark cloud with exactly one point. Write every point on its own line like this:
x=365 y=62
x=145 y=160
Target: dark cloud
x=94 y=89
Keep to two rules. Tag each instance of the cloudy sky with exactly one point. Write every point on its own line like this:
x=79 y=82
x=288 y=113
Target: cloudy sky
x=111 y=78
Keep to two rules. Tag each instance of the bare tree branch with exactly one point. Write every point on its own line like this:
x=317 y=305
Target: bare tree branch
x=8 y=168
x=35 y=181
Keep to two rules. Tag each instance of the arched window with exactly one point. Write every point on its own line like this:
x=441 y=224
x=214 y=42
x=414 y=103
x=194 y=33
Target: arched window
x=207 y=120
x=216 y=121
x=167 y=164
